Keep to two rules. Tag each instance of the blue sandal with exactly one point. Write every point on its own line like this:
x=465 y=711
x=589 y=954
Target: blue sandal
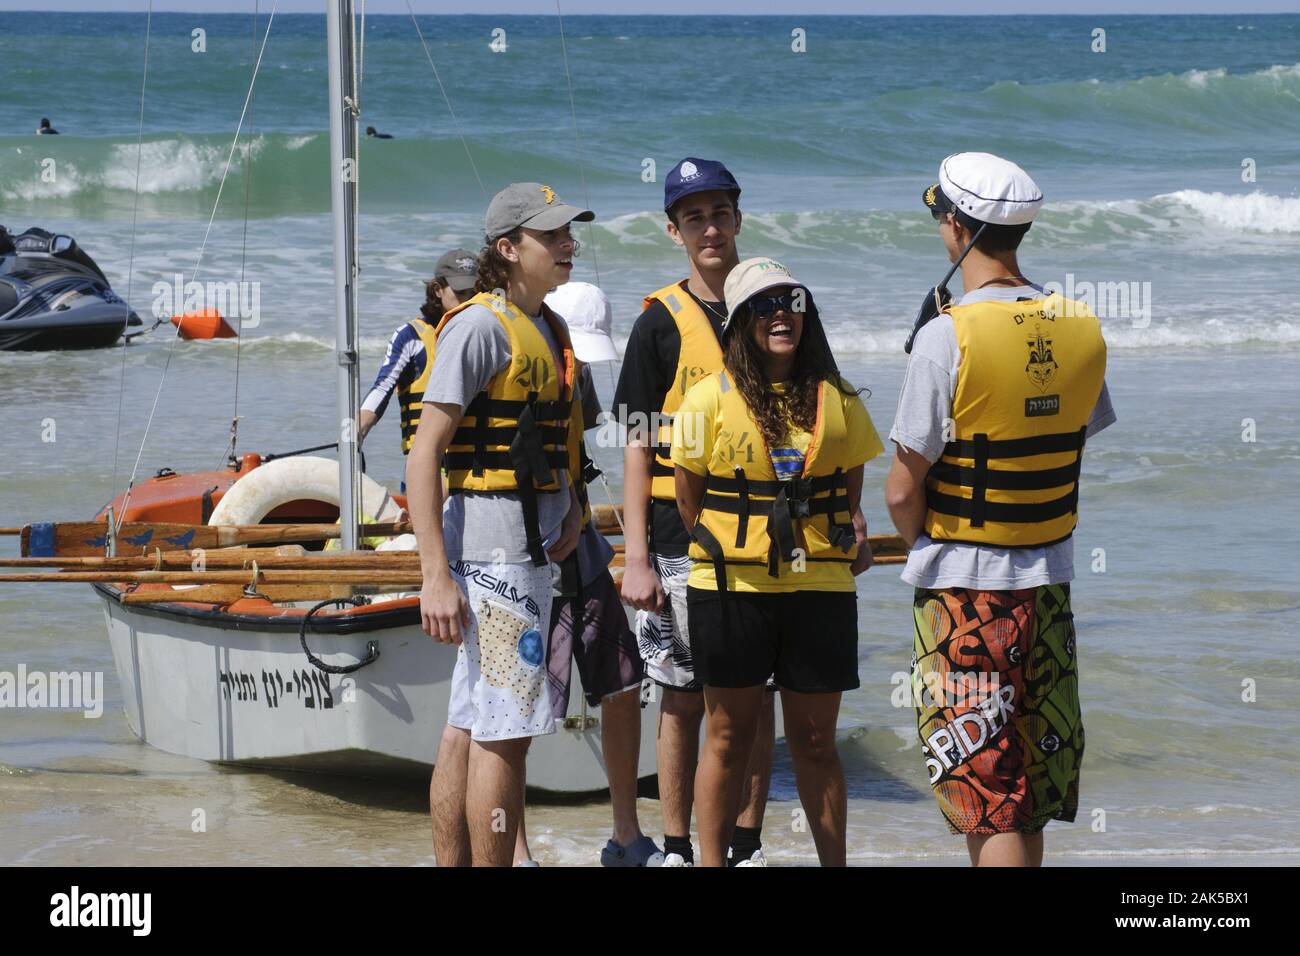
x=642 y=852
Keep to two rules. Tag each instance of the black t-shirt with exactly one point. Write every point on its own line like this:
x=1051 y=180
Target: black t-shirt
x=649 y=364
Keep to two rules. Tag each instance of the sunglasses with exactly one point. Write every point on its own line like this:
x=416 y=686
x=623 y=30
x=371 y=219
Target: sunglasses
x=766 y=306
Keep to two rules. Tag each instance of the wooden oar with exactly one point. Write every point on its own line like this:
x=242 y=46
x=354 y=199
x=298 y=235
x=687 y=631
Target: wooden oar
x=397 y=577
x=230 y=593
x=89 y=538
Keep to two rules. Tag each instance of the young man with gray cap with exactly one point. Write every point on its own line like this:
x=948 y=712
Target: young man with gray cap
x=1002 y=389
x=674 y=344
x=406 y=363
x=497 y=414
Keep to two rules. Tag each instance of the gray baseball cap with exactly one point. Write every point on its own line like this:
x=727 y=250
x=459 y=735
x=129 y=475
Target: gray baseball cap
x=458 y=269
x=532 y=205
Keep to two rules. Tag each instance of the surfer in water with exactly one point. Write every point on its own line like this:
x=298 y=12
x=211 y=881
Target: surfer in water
x=371 y=131
x=45 y=129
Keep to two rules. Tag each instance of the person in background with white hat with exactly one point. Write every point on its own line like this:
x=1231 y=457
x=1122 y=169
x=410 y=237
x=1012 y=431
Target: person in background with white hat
x=406 y=363
x=603 y=646
x=498 y=417
x=673 y=344
x=768 y=457
x=1002 y=389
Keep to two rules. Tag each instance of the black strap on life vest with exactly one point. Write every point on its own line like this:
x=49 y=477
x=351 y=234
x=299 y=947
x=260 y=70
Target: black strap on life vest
x=480 y=434
x=782 y=503
x=527 y=456
x=713 y=548
x=586 y=475
x=980 y=478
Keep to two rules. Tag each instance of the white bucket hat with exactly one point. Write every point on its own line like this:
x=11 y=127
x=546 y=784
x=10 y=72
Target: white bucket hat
x=587 y=311
x=751 y=277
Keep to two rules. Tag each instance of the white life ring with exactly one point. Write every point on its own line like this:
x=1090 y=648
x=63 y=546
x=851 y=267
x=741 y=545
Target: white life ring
x=298 y=478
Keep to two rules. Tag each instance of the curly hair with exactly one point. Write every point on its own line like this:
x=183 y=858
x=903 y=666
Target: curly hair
x=494 y=268
x=774 y=412
x=432 y=309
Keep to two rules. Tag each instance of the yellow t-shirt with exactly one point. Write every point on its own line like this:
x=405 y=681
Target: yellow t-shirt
x=695 y=428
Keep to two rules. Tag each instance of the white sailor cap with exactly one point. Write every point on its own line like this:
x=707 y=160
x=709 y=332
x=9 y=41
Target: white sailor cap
x=987 y=188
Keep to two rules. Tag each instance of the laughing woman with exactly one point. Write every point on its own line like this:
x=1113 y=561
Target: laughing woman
x=769 y=455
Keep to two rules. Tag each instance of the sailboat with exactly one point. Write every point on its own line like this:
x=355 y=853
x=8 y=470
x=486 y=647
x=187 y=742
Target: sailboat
x=269 y=675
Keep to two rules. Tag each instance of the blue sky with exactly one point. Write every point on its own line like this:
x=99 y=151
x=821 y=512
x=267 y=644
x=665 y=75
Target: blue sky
x=739 y=7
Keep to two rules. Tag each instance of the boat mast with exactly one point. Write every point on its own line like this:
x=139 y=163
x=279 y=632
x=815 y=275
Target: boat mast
x=343 y=185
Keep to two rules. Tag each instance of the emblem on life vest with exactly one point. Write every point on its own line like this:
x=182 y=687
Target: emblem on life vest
x=549 y=193
x=1041 y=367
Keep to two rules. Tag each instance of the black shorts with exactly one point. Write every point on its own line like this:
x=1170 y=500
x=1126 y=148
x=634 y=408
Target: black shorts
x=806 y=640
x=608 y=660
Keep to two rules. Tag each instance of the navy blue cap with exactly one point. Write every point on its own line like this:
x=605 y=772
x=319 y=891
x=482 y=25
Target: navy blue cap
x=693 y=175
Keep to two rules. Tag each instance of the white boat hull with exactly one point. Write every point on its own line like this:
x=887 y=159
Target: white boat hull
x=247 y=695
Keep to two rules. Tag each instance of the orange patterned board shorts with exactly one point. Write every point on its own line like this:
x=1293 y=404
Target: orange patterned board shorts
x=997 y=706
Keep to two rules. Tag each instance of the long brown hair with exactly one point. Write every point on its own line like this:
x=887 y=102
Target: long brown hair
x=813 y=364
x=494 y=268
x=432 y=309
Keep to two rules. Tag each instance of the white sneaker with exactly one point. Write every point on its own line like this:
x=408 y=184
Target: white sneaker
x=756 y=860
x=675 y=859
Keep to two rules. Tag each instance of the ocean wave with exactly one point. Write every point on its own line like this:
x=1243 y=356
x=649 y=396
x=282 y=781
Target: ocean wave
x=1251 y=212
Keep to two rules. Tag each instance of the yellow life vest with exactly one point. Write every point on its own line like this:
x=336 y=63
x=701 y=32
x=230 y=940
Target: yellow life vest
x=700 y=355
x=1030 y=374
x=410 y=398
x=748 y=516
x=582 y=470
x=516 y=435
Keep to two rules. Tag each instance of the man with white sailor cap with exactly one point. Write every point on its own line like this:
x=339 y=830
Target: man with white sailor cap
x=1003 y=388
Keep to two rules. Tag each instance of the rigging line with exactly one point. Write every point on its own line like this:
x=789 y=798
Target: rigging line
x=171 y=350
x=233 y=144
x=454 y=120
x=243 y=261
x=130 y=263
x=577 y=142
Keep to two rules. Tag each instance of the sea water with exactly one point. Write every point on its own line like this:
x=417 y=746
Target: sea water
x=1171 y=167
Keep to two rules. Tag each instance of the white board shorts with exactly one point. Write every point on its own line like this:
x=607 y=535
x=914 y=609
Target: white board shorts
x=498 y=687
x=663 y=639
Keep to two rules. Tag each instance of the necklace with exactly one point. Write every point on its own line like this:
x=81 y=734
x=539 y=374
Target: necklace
x=720 y=315
x=1018 y=279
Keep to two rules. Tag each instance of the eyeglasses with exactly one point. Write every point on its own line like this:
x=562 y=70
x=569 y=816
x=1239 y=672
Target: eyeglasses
x=766 y=306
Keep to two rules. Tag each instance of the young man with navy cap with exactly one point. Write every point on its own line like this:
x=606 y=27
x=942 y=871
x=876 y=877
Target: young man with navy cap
x=673 y=345
x=1002 y=389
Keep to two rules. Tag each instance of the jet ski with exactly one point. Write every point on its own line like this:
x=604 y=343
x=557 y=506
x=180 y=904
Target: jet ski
x=54 y=296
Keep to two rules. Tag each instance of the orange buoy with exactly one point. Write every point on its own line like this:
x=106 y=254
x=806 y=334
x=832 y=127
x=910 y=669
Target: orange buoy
x=204 y=324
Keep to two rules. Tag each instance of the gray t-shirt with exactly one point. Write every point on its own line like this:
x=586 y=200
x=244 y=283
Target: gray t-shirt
x=924 y=403
x=486 y=526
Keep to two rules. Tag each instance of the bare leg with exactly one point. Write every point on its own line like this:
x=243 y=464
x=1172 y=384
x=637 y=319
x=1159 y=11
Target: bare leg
x=732 y=722
x=447 y=798
x=810 y=732
x=677 y=750
x=494 y=799
x=758 y=776
x=1005 y=849
x=620 y=742
x=522 y=853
